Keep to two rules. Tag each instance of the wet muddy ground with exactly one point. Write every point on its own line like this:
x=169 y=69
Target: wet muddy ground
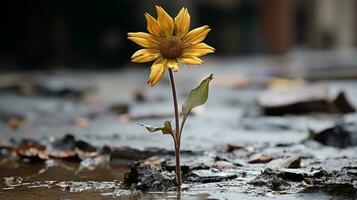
x=247 y=142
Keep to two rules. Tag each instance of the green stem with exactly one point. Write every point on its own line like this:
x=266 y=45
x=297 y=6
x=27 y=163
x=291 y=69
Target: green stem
x=182 y=125
x=177 y=132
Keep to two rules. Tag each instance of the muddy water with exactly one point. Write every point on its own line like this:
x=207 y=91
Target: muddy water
x=57 y=180
x=66 y=180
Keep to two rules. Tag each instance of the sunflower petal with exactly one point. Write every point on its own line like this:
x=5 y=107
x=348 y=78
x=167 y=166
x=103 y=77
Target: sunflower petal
x=201 y=45
x=153 y=26
x=145 y=55
x=143 y=42
x=165 y=20
x=190 y=60
x=157 y=71
x=198 y=50
x=182 y=22
x=197 y=35
x=173 y=64
x=146 y=36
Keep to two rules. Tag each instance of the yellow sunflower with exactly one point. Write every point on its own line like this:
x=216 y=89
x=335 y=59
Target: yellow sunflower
x=169 y=43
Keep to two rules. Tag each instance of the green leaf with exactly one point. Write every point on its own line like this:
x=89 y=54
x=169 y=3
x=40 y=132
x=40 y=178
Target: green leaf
x=196 y=97
x=166 y=129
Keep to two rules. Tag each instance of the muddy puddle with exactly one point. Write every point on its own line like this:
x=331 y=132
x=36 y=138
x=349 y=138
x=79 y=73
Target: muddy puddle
x=216 y=175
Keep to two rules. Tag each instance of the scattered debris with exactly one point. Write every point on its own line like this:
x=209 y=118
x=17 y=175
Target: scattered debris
x=60 y=92
x=285 y=162
x=143 y=177
x=223 y=165
x=259 y=158
x=210 y=175
x=66 y=148
x=70 y=149
x=296 y=175
x=302 y=100
x=31 y=151
x=25 y=85
x=340 y=136
x=342 y=104
x=269 y=179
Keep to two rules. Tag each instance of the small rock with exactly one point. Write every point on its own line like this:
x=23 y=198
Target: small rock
x=295 y=175
x=342 y=104
x=269 y=178
x=143 y=177
x=341 y=136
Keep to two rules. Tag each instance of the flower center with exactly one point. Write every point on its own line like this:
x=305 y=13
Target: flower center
x=171 y=47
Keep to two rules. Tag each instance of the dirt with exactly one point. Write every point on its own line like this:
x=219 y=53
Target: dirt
x=226 y=149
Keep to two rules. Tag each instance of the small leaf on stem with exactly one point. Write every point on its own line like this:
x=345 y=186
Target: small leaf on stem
x=166 y=129
x=196 y=97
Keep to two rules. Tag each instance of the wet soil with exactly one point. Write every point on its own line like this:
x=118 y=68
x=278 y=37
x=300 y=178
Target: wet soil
x=231 y=149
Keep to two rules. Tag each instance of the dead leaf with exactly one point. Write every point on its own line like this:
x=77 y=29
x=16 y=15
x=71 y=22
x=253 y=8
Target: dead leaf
x=32 y=150
x=288 y=161
x=221 y=164
x=259 y=158
x=153 y=161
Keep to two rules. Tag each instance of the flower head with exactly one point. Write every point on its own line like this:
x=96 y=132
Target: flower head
x=169 y=43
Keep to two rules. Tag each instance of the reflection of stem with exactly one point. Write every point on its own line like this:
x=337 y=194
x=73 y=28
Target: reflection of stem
x=178 y=192
x=177 y=132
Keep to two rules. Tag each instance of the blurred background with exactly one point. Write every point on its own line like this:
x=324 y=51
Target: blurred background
x=42 y=34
